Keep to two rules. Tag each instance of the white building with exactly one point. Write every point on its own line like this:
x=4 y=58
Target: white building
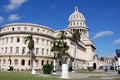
x=13 y=47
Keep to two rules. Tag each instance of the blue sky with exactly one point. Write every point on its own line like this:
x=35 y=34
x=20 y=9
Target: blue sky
x=102 y=18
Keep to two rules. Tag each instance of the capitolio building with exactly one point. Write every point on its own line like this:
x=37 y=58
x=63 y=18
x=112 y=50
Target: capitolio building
x=13 y=47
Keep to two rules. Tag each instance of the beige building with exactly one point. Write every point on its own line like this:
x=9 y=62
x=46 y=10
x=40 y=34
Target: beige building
x=12 y=44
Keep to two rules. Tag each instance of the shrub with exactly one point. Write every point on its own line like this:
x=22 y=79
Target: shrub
x=70 y=68
x=47 y=69
x=10 y=68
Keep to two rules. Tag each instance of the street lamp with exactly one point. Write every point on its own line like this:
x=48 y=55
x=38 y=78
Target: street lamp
x=9 y=63
x=54 y=64
x=118 y=58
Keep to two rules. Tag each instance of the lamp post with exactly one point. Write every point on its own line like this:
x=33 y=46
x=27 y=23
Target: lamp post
x=9 y=63
x=54 y=64
x=118 y=58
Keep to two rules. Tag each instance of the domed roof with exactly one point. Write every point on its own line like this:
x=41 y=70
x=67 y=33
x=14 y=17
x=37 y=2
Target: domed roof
x=76 y=15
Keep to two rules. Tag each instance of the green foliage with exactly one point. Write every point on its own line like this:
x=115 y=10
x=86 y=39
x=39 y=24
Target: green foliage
x=10 y=68
x=70 y=68
x=30 y=43
x=47 y=69
x=76 y=35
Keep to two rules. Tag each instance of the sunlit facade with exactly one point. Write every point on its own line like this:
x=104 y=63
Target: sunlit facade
x=13 y=47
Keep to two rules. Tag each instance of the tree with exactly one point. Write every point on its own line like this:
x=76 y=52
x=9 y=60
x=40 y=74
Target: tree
x=75 y=38
x=62 y=52
x=30 y=46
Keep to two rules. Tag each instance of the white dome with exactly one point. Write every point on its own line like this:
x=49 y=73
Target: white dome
x=76 y=16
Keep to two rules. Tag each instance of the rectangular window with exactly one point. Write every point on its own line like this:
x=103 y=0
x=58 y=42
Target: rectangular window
x=37 y=30
x=18 y=39
x=17 y=50
x=25 y=28
x=37 y=41
x=6 y=40
x=18 y=28
x=47 y=51
x=11 y=50
x=5 y=50
x=47 y=42
x=37 y=50
x=23 y=50
x=24 y=40
x=12 y=40
x=43 y=41
x=42 y=51
x=31 y=29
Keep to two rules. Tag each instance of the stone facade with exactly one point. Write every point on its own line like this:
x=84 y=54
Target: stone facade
x=12 y=44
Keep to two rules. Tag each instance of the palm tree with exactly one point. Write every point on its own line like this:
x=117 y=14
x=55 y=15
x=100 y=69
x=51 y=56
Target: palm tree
x=62 y=35
x=62 y=51
x=76 y=38
x=30 y=46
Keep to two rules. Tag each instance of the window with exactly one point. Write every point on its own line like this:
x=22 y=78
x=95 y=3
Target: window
x=18 y=28
x=77 y=23
x=37 y=62
x=23 y=50
x=28 y=62
x=2 y=50
x=42 y=51
x=0 y=61
x=11 y=39
x=47 y=42
x=31 y=29
x=16 y=62
x=47 y=61
x=18 y=39
x=37 y=50
x=6 y=40
x=37 y=30
x=4 y=61
x=25 y=28
x=12 y=29
x=5 y=50
x=23 y=62
x=24 y=40
x=42 y=63
x=11 y=49
x=17 y=50
x=43 y=41
x=37 y=41
x=47 y=51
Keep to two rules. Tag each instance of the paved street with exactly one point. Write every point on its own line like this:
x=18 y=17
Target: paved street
x=104 y=76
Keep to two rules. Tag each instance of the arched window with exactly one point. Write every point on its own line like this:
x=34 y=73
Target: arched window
x=16 y=62
x=28 y=62
x=23 y=62
x=42 y=63
x=47 y=61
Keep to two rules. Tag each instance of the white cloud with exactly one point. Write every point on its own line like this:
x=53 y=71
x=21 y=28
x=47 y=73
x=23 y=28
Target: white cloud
x=13 y=17
x=117 y=41
x=1 y=19
x=103 y=33
x=14 y=4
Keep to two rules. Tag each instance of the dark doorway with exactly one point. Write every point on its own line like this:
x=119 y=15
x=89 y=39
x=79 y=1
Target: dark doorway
x=94 y=66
